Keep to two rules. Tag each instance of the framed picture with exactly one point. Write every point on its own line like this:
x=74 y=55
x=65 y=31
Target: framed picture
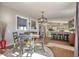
x=21 y=23
x=33 y=24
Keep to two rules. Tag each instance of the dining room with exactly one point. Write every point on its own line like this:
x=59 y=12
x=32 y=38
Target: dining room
x=44 y=29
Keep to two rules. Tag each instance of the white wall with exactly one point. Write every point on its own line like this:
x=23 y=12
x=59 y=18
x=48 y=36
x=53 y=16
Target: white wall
x=76 y=39
x=76 y=52
x=8 y=16
x=0 y=11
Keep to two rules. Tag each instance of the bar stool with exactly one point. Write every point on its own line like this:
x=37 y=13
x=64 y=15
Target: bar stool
x=65 y=37
x=59 y=36
x=53 y=36
x=56 y=36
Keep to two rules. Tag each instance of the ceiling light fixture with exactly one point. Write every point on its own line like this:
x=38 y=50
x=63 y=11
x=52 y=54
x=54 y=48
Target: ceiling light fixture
x=42 y=19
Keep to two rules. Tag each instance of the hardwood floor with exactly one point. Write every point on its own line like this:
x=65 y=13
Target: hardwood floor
x=2 y=51
x=59 y=42
x=58 y=52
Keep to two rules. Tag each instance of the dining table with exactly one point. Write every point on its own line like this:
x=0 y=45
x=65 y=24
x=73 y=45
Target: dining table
x=31 y=37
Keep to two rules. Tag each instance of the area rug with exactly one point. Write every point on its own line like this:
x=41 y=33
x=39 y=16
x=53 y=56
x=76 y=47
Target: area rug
x=38 y=53
x=60 y=46
x=60 y=52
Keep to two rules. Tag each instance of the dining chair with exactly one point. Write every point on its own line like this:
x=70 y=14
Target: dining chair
x=16 y=45
x=15 y=38
x=27 y=46
x=40 y=42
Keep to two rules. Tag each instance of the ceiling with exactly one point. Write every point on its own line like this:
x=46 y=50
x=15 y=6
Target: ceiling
x=53 y=10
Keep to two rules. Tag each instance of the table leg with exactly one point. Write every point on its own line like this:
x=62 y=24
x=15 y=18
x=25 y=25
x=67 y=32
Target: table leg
x=33 y=45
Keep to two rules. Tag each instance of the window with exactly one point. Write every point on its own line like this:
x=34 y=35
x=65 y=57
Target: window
x=21 y=23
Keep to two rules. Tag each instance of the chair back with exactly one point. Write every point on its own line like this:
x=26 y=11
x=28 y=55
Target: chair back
x=15 y=36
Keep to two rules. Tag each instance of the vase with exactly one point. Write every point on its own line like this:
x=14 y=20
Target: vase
x=3 y=41
x=3 y=44
x=0 y=44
